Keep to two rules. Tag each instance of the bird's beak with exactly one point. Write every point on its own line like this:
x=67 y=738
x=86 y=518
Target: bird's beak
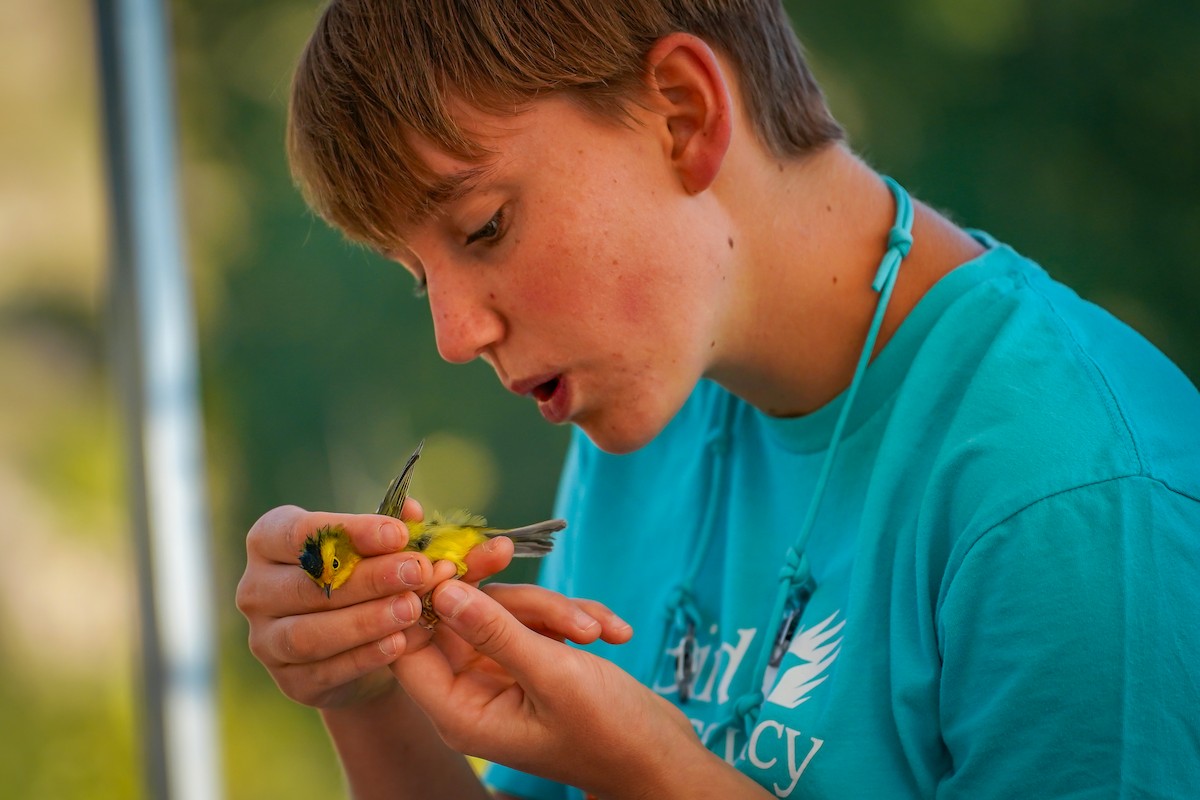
x=328 y=590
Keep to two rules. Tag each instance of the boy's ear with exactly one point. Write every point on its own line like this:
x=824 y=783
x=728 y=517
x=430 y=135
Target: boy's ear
x=690 y=91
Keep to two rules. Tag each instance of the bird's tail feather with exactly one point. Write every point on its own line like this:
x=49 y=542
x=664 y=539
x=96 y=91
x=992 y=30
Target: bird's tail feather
x=533 y=541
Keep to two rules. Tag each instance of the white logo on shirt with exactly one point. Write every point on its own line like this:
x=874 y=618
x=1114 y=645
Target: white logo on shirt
x=816 y=652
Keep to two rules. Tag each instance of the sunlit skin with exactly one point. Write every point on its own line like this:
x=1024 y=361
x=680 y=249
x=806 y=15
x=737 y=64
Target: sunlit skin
x=602 y=269
x=578 y=281
x=628 y=262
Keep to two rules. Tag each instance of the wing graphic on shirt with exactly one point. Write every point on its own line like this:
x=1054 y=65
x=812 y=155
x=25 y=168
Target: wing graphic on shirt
x=812 y=646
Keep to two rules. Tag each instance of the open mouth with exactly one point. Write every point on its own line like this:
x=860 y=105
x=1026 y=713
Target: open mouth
x=552 y=394
x=544 y=391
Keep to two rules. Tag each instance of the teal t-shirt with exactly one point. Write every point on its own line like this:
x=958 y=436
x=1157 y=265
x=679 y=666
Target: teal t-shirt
x=1006 y=561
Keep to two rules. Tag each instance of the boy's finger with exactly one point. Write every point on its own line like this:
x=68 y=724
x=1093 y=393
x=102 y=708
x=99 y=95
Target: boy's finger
x=279 y=535
x=488 y=558
x=281 y=590
x=491 y=630
x=553 y=614
x=311 y=638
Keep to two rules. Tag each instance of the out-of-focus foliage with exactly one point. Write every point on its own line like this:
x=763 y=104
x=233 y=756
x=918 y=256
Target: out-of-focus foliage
x=1066 y=128
x=1069 y=129
x=66 y=598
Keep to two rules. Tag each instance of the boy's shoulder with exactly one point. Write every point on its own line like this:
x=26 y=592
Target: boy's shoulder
x=1040 y=391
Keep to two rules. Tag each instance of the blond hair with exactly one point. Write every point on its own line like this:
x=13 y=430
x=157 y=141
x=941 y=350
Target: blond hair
x=373 y=69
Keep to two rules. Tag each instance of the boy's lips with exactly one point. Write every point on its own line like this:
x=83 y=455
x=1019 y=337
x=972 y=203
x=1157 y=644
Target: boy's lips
x=544 y=391
x=551 y=392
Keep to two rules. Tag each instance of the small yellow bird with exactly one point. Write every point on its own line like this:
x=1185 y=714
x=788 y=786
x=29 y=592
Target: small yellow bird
x=329 y=557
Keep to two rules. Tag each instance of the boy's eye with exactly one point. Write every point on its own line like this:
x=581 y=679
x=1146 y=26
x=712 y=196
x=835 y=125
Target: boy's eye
x=490 y=230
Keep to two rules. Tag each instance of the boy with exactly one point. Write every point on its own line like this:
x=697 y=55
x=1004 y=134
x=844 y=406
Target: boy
x=912 y=519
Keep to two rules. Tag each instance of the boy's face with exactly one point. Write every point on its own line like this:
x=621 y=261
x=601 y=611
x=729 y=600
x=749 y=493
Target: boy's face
x=577 y=266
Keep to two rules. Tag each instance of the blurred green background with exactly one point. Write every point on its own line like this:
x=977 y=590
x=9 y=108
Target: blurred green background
x=1066 y=128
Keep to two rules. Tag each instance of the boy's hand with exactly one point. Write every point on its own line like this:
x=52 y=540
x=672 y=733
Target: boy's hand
x=499 y=683
x=333 y=651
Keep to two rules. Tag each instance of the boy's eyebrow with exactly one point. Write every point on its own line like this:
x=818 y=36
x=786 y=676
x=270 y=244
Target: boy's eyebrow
x=446 y=189
x=454 y=186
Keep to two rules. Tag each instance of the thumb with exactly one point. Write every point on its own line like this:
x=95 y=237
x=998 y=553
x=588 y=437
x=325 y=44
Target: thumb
x=489 y=627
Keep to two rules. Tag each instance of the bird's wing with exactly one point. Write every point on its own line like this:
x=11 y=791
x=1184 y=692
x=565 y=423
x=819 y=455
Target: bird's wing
x=397 y=491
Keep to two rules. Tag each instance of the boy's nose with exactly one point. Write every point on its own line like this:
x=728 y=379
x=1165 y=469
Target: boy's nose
x=464 y=327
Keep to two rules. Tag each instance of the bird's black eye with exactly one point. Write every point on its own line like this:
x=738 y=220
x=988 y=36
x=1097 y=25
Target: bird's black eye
x=336 y=563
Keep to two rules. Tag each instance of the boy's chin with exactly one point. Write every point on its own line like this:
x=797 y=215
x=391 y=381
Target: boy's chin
x=620 y=436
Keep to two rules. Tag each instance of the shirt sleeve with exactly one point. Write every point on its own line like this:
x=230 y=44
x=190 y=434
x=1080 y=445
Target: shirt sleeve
x=519 y=784
x=1070 y=639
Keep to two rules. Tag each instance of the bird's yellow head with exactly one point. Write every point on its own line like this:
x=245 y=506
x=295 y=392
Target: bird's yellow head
x=328 y=557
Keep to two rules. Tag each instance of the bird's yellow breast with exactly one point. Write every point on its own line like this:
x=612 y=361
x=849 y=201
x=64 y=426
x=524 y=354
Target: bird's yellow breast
x=441 y=542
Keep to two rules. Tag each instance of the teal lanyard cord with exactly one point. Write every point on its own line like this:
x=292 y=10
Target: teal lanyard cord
x=682 y=614
x=795 y=578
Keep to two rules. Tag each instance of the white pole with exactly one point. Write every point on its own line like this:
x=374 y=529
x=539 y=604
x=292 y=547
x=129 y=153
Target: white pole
x=164 y=424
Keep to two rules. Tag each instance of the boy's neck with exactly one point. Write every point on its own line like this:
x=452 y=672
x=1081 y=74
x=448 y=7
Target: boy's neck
x=810 y=235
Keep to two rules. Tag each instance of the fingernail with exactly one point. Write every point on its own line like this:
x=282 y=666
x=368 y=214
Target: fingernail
x=584 y=621
x=410 y=573
x=389 y=536
x=404 y=609
x=452 y=599
x=491 y=544
x=387 y=645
